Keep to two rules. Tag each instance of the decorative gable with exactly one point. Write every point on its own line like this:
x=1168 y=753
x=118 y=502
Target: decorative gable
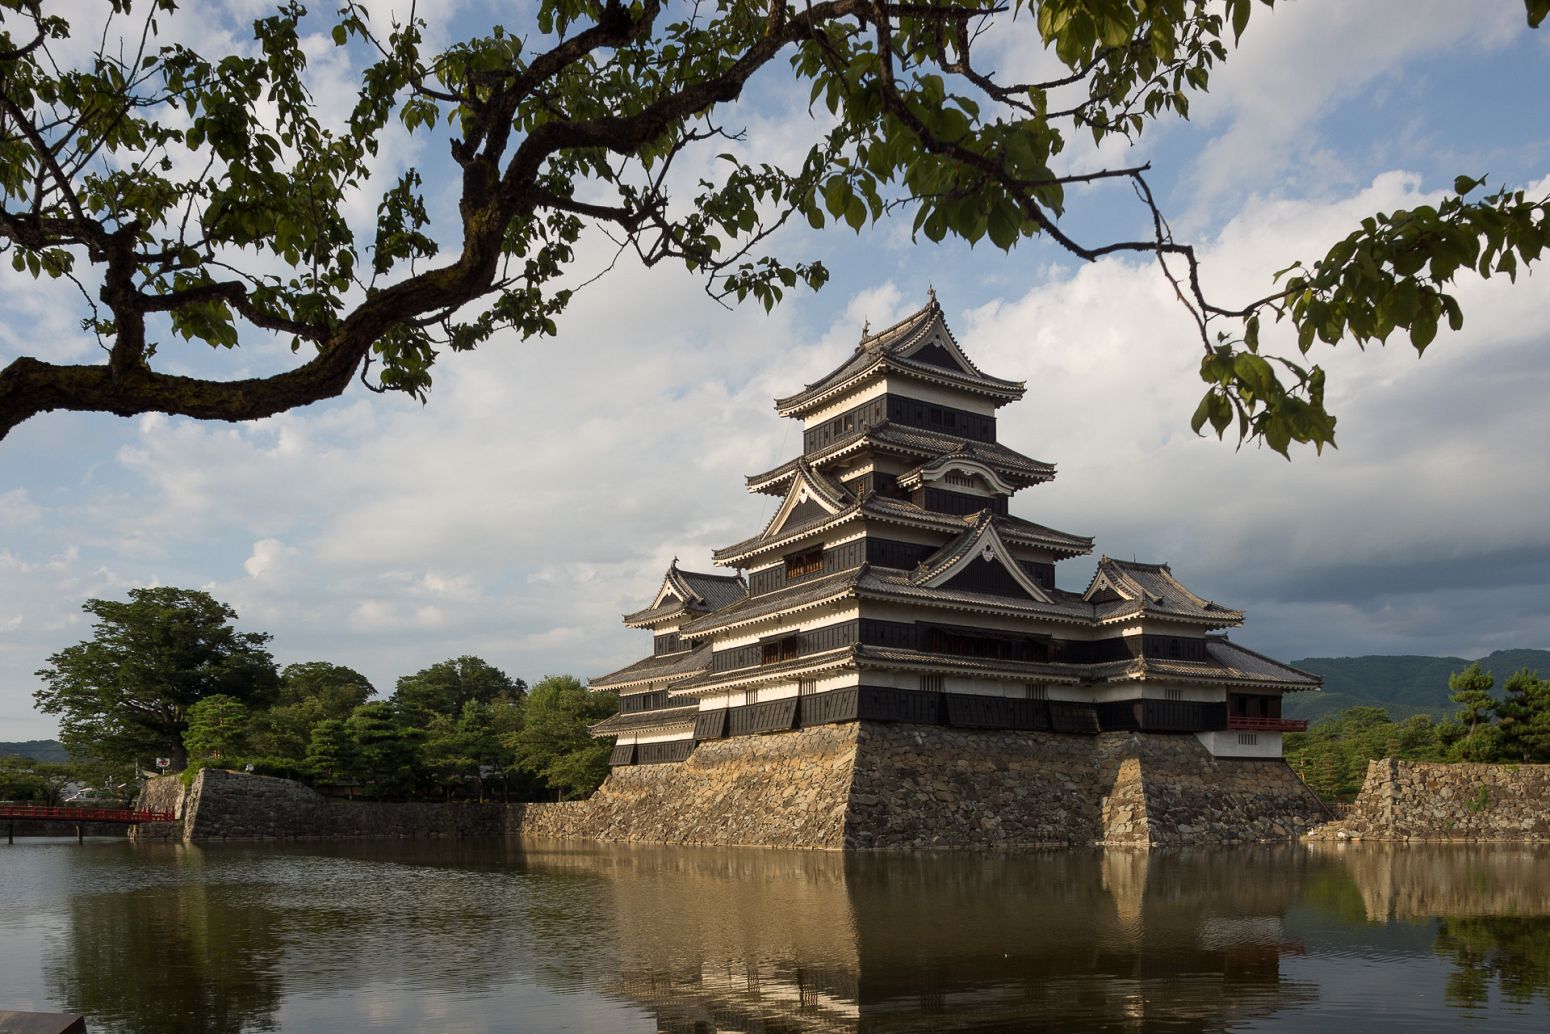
x=810 y=497
x=981 y=562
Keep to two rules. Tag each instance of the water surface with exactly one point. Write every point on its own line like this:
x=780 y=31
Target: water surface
x=501 y=936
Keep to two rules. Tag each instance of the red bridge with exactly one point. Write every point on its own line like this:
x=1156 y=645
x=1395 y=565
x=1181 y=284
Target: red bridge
x=124 y=816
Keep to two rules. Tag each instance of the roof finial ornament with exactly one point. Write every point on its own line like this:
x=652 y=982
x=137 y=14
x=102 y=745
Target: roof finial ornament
x=866 y=327
x=931 y=293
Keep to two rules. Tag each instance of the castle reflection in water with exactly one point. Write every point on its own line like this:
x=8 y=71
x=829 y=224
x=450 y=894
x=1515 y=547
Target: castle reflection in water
x=776 y=942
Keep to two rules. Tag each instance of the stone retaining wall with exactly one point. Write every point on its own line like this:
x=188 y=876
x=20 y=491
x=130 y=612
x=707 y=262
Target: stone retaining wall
x=222 y=805
x=852 y=785
x=1416 y=800
x=883 y=785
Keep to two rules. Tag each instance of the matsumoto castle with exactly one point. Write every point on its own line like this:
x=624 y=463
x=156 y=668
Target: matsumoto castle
x=894 y=584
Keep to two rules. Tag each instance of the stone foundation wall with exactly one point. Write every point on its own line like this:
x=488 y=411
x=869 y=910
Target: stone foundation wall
x=782 y=790
x=1415 y=800
x=852 y=785
x=222 y=805
x=862 y=785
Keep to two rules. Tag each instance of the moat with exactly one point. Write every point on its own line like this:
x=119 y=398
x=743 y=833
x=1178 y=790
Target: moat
x=503 y=936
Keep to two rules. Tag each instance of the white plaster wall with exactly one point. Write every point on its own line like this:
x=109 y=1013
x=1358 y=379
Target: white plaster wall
x=1225 y=744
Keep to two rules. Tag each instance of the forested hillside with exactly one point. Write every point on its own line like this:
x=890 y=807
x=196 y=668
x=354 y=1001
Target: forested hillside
x=38 y=750
x=1404 y=685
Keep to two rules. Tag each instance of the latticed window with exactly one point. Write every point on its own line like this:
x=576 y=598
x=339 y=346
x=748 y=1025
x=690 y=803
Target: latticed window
x=1034 y=691
x=1173 y=694
x=932 y=683
x=803 y=564
x=777 y=650
x=807 y=687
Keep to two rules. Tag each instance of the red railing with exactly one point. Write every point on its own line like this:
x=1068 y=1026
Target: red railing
x=127 y=815
x=1249 y=723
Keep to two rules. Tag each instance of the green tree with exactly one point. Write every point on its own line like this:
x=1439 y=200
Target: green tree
x=1471 y=690
x=1333 y=755
x=553 y=743
x=461 y=750
x=217 y=727
x=571 y=124
x=310 y=692
x=28 y=780
x=384 y=755
x=1524 y=718
x=329 y=757
x=446 y=687
x=125 y=693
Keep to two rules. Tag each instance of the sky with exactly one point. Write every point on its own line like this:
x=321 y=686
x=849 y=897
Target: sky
x=546 y=485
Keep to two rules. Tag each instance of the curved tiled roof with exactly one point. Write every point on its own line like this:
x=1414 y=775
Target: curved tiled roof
x=689 y=593
x=661 y=718
x=662 y=667
x=1122 y=588
x=889 y=349
x=1228 y=663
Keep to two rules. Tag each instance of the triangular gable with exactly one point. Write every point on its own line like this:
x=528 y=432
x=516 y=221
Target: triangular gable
x=984 y=563
x=810 y=497
x=1109 y=585
x=933 y=345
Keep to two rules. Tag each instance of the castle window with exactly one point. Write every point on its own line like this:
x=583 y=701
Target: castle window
x=777 y=650
x=1248 y=739
x=1173 y=694
x=932 y=683
x=803 y=564
x=1034 y=691
x=807 y=687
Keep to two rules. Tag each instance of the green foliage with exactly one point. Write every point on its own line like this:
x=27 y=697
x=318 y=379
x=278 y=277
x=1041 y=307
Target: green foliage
x=31 y=781
x=204 y=193
x=384 y=754
x=330 y=757
x=1524 y=718
x=1471 y=690
x=125 y=694
x=310 y=692
x=1510 y=952
x=553 y=742
x=217 y=727
x=1333 y=754
x=447 y=687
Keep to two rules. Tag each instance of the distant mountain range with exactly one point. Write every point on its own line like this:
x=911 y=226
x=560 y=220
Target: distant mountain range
x=1404 y=685
x=40 y=750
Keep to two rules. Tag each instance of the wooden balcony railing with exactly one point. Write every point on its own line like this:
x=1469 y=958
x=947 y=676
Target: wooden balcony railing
x=1250 y=723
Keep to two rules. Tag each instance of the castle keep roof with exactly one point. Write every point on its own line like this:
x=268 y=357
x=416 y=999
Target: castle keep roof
x=920 y=347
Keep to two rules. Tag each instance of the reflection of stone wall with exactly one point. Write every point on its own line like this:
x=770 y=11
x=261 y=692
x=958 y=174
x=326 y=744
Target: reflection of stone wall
x=1418 y=883
x=1414 y=800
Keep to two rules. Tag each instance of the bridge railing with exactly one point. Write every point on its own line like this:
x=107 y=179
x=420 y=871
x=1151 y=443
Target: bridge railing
x=39 y=811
